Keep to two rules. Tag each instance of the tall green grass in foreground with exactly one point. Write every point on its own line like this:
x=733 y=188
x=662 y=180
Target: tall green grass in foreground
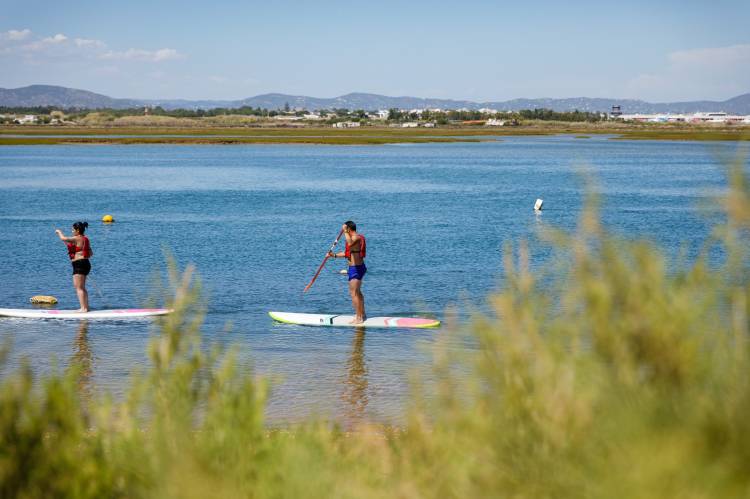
x=624 y=380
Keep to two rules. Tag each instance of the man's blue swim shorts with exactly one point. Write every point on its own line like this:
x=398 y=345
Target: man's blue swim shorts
x=357 y=271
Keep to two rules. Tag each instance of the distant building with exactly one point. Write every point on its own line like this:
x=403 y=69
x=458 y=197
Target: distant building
x=347 y=124
x=495 y=122
x=717 y=117
x=616 y=112
x=696 y=118
x=29 y=118
x=410 y=124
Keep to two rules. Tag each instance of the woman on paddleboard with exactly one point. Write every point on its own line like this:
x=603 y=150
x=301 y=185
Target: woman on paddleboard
x=355 y=252
x=79 y=251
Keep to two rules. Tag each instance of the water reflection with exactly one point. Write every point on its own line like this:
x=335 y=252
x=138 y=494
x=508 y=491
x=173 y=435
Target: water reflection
x=355 y=384
x=83 y=360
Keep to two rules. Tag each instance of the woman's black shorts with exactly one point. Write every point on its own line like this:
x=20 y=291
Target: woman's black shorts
x=82 y=267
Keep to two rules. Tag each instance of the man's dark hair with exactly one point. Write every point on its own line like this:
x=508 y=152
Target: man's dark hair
x=351 y=225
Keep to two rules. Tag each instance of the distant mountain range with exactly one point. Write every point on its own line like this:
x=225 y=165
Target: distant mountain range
x=49 y=95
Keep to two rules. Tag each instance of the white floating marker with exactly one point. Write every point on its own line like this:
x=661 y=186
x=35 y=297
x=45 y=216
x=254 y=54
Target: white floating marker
x=538 y=205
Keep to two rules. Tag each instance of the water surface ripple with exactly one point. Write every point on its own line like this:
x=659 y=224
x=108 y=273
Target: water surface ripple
x=256 y=220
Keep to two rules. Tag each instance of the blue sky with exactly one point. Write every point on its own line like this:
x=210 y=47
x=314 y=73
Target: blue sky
x=476 y=50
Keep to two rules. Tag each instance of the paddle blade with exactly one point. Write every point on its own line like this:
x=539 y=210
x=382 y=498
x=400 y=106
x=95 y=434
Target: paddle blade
x=316 y=274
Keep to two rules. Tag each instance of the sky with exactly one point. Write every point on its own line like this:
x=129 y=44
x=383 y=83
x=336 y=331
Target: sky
x=658 y=51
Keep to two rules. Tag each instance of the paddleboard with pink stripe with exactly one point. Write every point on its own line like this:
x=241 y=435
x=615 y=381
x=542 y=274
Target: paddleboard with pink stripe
x=344 y=320
x=120 y=313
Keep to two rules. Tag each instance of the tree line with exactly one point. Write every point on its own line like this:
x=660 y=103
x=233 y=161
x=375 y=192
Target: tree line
x=336 y=114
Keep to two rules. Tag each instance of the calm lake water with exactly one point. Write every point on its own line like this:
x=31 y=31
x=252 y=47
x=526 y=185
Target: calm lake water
x=256 y=221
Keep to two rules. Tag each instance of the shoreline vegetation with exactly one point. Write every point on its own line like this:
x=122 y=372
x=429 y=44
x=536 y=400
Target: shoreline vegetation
x=370 y=135
x=613 y=374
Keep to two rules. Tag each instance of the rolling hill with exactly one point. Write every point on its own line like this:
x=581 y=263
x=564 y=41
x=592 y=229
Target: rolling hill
x=50 y=95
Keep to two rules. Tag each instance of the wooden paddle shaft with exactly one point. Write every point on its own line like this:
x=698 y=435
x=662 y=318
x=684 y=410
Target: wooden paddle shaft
x=324 y=261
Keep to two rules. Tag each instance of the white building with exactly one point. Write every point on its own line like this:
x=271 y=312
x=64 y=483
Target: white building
x=697 y=118
x=495 y=122
x=717 y=118
x=410 y=124
x=29 y=118
x=710 y=117
x=347 y=124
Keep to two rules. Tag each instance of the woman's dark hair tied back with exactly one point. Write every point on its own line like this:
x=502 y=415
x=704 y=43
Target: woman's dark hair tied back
x=80 y=226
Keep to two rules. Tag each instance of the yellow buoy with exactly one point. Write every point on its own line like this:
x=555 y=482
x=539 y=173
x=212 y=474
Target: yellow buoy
x=43 y=300
x=108 y=219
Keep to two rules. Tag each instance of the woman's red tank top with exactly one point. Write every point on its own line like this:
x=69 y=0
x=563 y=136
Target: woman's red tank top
x=73 y=249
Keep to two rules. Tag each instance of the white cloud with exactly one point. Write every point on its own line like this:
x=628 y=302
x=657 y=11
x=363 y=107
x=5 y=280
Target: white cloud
x=159 y=55
x=58 y=38
x=45 y=43
x=16 y=35
x=59 y=47
x=715 y=73
x=167 y=54
x=86 y=43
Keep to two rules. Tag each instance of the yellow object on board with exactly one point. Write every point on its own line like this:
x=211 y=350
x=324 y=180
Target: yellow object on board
x=108 y=219
x=42 y=299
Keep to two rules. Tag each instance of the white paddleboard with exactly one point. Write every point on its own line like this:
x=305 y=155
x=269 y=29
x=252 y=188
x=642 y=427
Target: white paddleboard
x=344 y=320
x=121 y=313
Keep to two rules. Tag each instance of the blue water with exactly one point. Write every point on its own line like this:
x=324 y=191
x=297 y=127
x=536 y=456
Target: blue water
x=256 y=221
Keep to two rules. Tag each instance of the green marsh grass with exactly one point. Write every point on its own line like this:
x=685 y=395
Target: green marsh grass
x=205 y=133
x=626 y=378
x=227 y=140
x=702 y=134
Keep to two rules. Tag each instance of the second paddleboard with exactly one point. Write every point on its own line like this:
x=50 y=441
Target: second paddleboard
x=120 y=313
x=344 y=320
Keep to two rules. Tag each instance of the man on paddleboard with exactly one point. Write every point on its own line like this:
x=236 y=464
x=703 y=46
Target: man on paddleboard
x=355 y=252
